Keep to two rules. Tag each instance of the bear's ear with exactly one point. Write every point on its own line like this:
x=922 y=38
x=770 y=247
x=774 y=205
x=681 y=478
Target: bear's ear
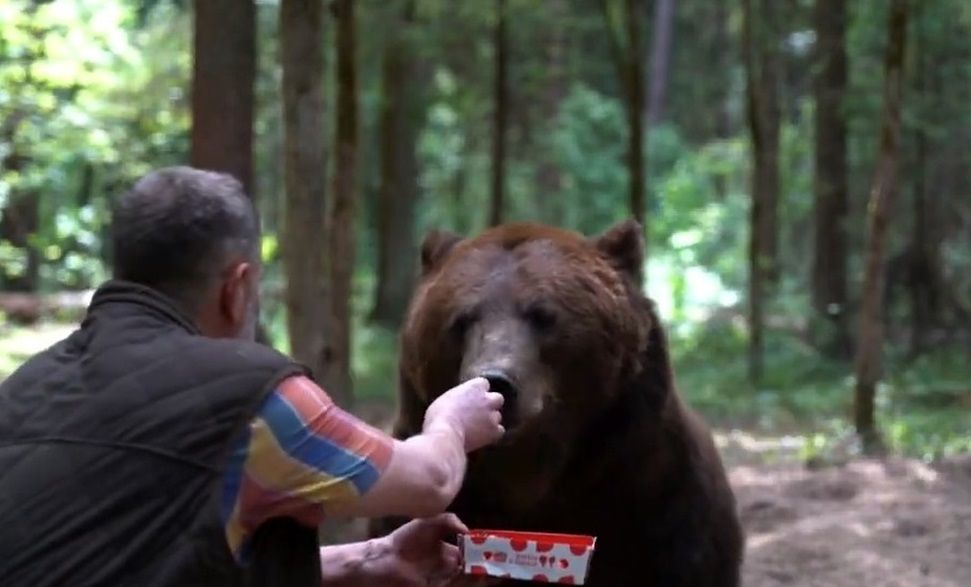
x=623 y=245
x=436 y=246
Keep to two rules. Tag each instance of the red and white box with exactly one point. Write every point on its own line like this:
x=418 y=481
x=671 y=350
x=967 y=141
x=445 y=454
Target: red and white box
x=531 y=556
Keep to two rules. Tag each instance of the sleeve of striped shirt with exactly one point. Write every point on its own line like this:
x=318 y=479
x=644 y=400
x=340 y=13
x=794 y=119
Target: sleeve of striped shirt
x=299 y=455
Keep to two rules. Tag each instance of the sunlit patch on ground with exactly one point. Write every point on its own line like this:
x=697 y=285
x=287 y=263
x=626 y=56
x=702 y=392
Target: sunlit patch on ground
x=18 y=343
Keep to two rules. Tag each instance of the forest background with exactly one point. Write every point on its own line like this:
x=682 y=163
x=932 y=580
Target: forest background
x=800 y=168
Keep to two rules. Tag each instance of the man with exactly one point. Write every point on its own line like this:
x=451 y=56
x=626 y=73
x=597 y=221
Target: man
x=159 y=445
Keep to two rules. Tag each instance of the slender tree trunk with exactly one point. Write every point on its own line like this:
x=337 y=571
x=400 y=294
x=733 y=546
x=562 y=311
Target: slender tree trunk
x=341 y=227
x=402 y=115
x=223 y=77
x=660 y=60
x=629 y=57
x=549 y=177
x=223 y=89
x=500 y=118
x=926 y=280
x=879 y=210
x=830 y=185
x=762 y=107
x=723 y=59
x=304 y=235
x=635 y=110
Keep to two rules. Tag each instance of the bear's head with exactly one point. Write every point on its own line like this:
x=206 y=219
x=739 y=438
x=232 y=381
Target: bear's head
x=553 y=319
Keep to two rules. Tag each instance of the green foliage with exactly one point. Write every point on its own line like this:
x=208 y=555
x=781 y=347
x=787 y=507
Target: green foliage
x=90 y=102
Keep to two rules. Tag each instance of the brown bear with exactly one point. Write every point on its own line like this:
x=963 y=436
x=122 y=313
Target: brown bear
x=598 y=441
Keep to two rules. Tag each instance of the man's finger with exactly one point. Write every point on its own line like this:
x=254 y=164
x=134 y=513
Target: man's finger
x=447 y=524
x=495 y=400
x=476 y=383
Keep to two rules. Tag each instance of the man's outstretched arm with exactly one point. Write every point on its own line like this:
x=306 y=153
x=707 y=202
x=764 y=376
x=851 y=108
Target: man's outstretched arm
x=304 y=457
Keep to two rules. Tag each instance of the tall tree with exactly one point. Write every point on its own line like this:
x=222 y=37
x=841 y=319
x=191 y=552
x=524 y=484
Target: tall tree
x=830 y=181
x=549 y=176
x=759 y=35
x=223 y=88
x=660 y=60
x=223 y=77
x=341 y=221
x=925 y=275
x=304 y=241
x=500 y=115
x=402 y=116
x=879 y=211
x=627 y=46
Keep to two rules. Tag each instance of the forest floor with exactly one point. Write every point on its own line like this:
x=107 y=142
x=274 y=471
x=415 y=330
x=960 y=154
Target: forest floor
x=892 y=522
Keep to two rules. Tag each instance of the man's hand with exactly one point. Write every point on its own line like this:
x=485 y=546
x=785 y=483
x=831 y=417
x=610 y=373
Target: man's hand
x=416 y=555
x=471 y=411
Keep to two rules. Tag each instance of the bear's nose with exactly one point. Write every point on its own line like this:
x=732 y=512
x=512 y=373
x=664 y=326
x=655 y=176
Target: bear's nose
x=500 y=383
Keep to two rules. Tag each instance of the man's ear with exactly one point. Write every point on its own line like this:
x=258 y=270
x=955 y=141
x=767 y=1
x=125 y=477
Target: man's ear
x=623 y=246
x=234 y=300
x=435 y=248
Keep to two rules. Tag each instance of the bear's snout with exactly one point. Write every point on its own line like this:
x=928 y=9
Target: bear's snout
x=502 y=384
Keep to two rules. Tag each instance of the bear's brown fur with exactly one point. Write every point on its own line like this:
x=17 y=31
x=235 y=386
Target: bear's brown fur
x=598 y=441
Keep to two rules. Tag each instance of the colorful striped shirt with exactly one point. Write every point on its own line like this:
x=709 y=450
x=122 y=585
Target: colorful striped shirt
x=300 y=455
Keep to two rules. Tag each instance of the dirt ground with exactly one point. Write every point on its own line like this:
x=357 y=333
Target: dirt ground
x=888 y=523
x=864 y=523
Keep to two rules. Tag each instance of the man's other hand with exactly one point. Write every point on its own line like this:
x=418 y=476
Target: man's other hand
x=416 y=554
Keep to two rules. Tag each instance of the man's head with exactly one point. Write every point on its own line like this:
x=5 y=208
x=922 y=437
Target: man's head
x=194 y=236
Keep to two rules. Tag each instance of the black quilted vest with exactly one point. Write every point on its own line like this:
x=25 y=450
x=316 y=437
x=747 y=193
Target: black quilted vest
x=112 y=448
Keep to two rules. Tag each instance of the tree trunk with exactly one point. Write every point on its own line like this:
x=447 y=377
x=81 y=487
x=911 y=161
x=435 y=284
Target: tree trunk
x=879 y=210
x=402 y=116
x=635 y=110
x=762 y=107
x=500 y=117
x=660 y=60
x=549 y=177
x=925 y=275
x=223 y=77
x=628 y=52
x=304 y=239
x=223 y=89
x=830 y=186
x=341 y=227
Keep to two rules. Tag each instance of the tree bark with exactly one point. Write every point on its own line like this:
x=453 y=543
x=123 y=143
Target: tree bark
x=304 y=239
x=762 y=107
x=660 y=60
x=549 y=177
x=925 y=277
x=629 y=57
x=635 y=110
x=402 y=116
x=500 y=117
x=223 y=93
x=830 y=185
x=879 y=211
x=341 y=228
x=223 y=77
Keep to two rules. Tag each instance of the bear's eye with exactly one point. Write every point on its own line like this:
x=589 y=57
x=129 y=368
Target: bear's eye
x=461 y=323
x=541 y=318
